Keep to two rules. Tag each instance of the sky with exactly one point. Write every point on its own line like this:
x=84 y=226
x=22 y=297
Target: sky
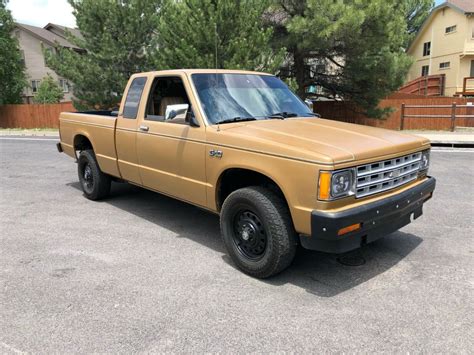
x=41 y=12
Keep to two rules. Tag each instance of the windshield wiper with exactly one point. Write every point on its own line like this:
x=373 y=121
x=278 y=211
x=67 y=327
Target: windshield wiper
x=237 y=119
x=282 y=115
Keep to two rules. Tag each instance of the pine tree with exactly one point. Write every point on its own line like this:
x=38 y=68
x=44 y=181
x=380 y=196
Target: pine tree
x=361 y=41
x=12 y=76
x=215 y=34
x=116 y=40
x=49 y=91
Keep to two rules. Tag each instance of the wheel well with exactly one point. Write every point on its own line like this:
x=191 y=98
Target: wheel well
x=81 y=142
x=236 y=178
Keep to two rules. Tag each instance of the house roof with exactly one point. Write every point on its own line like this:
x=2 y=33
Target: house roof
x=74 y=31
x=466 y=7
x=46 y=36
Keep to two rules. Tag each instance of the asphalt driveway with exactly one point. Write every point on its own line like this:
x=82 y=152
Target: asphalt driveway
x=141 y=272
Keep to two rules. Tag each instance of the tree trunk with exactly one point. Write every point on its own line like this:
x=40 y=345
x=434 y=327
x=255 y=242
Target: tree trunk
x=299 y=70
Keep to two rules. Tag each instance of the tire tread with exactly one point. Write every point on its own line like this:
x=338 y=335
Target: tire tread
x=279 y=221
x=103 y=180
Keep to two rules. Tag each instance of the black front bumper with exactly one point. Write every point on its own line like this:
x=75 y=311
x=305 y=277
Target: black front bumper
x=377 y=219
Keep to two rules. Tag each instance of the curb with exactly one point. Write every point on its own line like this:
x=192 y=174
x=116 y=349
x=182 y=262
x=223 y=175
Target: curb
x=452 y=144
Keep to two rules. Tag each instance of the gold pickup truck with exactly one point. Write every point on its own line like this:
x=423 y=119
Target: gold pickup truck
x=242 y=145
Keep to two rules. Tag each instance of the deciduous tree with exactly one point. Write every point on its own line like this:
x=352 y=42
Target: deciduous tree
x=416 y=12
x=12 y=76
x=49 y=91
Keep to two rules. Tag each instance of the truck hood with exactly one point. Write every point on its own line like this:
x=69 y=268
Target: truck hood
x=317 y=140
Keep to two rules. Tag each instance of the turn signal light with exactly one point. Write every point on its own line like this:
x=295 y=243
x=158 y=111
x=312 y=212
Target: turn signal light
x=324 y=185
x=351 y=228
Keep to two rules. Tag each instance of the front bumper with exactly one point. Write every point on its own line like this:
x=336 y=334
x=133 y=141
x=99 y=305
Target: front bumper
x=377 y=219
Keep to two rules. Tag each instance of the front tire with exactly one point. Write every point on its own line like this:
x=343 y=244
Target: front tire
x=94 y=183
x=258 y=232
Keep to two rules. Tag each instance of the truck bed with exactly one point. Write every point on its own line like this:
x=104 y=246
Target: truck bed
x=96 y=127
x=100 y=113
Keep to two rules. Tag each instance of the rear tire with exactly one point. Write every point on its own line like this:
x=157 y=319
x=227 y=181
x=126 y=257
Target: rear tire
x=258 y=232
x=94 y=183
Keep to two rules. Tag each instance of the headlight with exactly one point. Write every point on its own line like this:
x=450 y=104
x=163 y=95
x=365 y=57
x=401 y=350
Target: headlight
x=425 y=160
x=335 y=184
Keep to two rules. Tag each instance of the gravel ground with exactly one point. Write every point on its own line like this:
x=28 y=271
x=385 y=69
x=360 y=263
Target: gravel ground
x=141 y=272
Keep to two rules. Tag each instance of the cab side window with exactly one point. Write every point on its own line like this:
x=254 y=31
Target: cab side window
x=168 y=94
x=133 y=98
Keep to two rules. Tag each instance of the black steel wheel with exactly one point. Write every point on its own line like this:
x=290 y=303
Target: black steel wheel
x=94 y=182
x=88 y=179
x=258 y=232
x=249 y=235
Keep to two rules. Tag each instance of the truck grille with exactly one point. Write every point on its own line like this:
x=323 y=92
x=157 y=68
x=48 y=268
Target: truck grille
x=386 y=174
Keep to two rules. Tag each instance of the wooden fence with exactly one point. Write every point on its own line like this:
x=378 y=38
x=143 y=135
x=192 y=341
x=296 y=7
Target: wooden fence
x=33 y=115
x=428 y=85
x=46 y=116
x=454 y=115
x=347 y=112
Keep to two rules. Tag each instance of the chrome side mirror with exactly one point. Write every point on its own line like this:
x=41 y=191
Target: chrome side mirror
x=176 y=111
x=309 y=103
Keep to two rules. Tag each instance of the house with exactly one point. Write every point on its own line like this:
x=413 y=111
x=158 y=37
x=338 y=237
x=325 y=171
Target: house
x=445 y=45
x=31 y=41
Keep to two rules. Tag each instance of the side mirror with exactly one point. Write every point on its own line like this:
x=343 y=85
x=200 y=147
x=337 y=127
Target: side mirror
x=171 y=114
x=309 y=103
x=191 y=119
x=176 y=111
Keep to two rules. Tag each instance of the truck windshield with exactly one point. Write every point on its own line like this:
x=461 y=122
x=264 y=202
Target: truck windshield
x=238 y=97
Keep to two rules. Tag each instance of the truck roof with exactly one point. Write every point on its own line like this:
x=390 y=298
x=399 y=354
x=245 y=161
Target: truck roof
x=202 y=71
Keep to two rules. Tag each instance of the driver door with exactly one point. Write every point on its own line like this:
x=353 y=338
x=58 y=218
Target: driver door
x=171 y=152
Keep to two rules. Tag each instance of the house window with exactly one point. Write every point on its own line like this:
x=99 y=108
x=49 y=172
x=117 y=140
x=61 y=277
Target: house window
x=63 y=84
x=22 y=57
x=320 y=68
x=450 y=29
x=48 y=52
x=426 y=48
x=444 y=65
x=425 y=69
x=35 y=85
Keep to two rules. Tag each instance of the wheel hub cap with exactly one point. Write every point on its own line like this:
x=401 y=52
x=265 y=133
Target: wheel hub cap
x=88 y=177
x=249 y=235
x=247 y=231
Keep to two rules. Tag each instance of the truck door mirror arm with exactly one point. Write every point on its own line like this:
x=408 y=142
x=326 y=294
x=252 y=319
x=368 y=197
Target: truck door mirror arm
x=191 y=119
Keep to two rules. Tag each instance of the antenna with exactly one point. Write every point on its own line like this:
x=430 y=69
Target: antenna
x=216 y=36
x=215 y=57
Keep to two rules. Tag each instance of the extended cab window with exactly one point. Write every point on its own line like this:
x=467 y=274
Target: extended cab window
x=168 y=94
x=133 y=98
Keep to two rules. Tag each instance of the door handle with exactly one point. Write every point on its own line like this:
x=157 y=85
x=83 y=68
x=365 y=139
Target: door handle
x=144 y=128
